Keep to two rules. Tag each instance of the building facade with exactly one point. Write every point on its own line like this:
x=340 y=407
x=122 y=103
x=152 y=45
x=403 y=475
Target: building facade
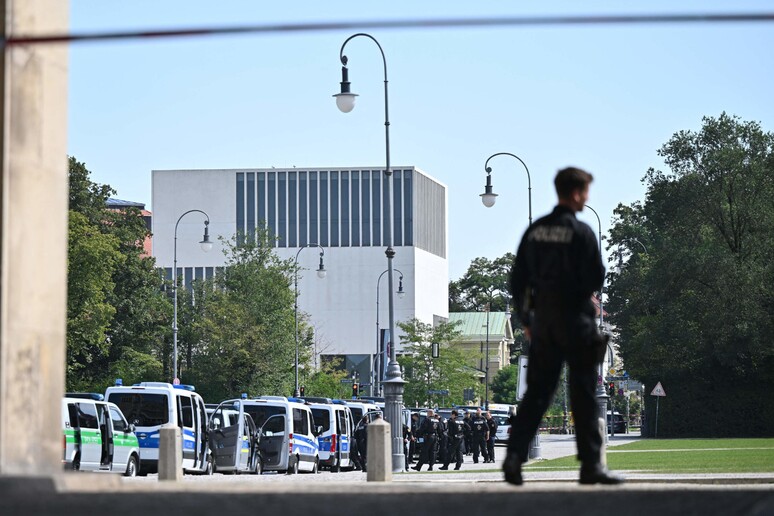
x=343 y=210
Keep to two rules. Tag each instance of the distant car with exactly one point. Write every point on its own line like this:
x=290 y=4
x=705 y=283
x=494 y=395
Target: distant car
x=503 y=428
x=620 y=426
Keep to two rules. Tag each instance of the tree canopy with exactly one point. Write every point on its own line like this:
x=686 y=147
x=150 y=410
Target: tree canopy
x=692 y=297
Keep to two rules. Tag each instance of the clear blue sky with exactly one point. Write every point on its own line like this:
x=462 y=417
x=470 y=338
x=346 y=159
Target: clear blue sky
x=604 y=98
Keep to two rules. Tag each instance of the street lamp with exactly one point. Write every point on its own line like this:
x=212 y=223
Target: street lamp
x=320 y=274
x=394 y=384
x=376 y=370
x=601 y=394
x=489 y=197
x=486 y=366
x=206 y=246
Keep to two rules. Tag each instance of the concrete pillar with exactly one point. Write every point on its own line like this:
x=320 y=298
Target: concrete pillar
x=33 y=239
x=170 y=453
x=379 y=452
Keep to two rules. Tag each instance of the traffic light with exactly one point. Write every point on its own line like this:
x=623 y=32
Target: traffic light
x=611 y=388
x=354 y=390
x=302 y=390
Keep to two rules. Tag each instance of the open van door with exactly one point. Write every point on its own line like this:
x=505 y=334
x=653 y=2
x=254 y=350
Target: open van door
x=225 y=436
x=274 y=440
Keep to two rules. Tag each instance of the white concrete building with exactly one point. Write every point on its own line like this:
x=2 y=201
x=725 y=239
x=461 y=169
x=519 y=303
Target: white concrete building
x=344 y=211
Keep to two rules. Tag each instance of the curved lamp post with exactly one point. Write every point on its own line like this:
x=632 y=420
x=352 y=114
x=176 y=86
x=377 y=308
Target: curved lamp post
x=489 y=197
x=601 y=394
x=320 y=274
x=393 y=386
x=206 y=246
x=376 y=370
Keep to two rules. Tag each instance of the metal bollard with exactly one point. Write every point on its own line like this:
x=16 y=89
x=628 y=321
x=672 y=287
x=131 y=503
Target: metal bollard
x=170 y=453
x=603 y=449
x=379 y=456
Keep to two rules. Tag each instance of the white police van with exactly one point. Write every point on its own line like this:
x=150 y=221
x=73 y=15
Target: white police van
x=233 y=439
x=97 y=437
x=151 y=405
x=334 y=420
x=360 y=408
x=288 y=437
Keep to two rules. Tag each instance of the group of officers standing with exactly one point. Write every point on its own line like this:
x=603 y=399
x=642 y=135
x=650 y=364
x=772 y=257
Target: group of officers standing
x=447 y=440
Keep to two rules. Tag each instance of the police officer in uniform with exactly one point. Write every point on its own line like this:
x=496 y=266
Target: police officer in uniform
x=558 y=267
x=490 y=443
x=429 y=431
x=443 y=439
x=468 y=445
x=480 y=436
x=457 y=429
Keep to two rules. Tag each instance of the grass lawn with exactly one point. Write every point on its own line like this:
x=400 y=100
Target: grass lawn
x=682 y=456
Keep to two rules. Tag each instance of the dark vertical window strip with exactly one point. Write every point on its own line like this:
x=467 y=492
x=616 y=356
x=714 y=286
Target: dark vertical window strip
x=335 y=209
x=250 y=207
x=199 y=273
x=261 y=219
x=408 y=216
x=376 y=208
x=345 y=208
x=208 y=271
x=292 y=210
x=324 y=209
x=397 y=195
x=355 y=208
x=365 y=181
x=168 y=273
x=385 y=209
x=272 y=205
x=303 y=210
x=240 y=207
x=314 y=236
x=188 y=277
x=282 y=209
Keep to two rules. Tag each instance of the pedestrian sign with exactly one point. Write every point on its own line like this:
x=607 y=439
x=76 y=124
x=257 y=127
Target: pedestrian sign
x=658 y=390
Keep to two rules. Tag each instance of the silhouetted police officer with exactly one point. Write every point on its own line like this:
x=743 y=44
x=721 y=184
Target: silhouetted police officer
x=557 y=268
x=428 y=431
x=480 y=434
x=490 y=443
x=457 y=428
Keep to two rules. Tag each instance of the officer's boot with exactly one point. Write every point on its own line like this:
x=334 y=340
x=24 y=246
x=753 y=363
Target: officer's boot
x=512 y=469
x=596 y=473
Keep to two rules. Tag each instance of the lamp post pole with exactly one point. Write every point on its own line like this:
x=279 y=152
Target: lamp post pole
x=321 y=275
x=393 y=386
x=377 y=362
x=206 y=246
x=486 y=366
x=602 y=396
x=489 y=197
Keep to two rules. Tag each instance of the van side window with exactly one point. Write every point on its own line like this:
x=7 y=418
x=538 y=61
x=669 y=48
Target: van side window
x=341 y=422
x=322 y=418
x=186 y=408
x=72 y=412
x=300 y=422
x=87 y=415
x=119 y=425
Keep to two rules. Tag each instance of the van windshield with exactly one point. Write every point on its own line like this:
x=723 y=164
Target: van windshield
x=142 y=409
x=260 y=413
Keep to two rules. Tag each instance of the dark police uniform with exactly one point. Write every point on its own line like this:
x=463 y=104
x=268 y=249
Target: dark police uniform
x=557 y=269
x=490 y=444
x=480 y=428
x=457 y=430
x=429 y=430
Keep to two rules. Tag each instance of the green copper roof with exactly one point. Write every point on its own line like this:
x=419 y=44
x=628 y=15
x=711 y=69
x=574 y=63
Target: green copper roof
x=473 y=325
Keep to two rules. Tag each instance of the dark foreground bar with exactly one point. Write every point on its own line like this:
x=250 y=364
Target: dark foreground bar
x=39 y=496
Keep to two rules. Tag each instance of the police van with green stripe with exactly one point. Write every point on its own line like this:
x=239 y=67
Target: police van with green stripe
x=97 y=437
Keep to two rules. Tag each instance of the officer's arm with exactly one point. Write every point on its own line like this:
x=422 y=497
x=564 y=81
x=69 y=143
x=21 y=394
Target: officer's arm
x=592 y=270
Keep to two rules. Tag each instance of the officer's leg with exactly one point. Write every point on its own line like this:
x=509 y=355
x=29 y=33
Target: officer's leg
x=485 y=448
x=583 y=382
x=458 y=454
x=545 y=365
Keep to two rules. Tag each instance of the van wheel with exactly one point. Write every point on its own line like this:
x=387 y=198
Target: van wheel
x=316 y=467
x=293 y=468
x=336 y=468
x=131 y=467
x=209 y=469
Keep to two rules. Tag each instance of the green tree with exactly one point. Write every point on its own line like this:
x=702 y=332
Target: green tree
x=246 y=325
x=450 y=371
x=485 y=281
x=505 y=384
x=694 y=302
x=326 y=382
x=92 y=257
x=134 y=343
